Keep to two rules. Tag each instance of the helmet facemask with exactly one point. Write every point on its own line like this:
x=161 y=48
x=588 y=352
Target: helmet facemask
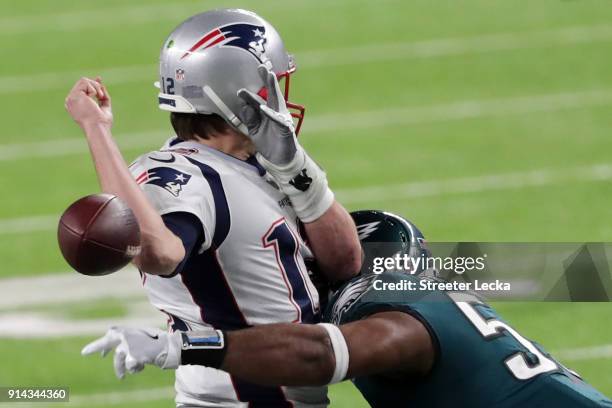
x=284 y=80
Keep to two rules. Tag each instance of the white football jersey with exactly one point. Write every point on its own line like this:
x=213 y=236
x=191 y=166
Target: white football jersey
x=249 y=269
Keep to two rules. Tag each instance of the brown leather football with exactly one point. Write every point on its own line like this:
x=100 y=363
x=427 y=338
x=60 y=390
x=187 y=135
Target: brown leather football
x=98 y=234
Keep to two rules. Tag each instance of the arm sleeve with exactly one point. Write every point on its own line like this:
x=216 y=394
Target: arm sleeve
x=177 y=187
x=188 y=228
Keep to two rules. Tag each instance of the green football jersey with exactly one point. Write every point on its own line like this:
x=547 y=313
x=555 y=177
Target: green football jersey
x=480 y=360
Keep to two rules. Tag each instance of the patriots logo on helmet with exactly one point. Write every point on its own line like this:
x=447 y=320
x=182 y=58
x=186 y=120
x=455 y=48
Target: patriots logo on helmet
x=167 y=178
x=249 y=37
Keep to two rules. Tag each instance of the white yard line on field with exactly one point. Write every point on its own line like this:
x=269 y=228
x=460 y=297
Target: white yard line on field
x=585 y=353
x=76 y=146
x=87 y=19
x=115 y=398
x=402 y=191
x=460 y=110
x=68 y=288
x=465 y=185
x=26 y=304
x=64 y=80
x=445 y=47
x=39 y=325
x=108 y=398
x=318 y=125
x=126 y=14
x=25 y=225
x=380 y=52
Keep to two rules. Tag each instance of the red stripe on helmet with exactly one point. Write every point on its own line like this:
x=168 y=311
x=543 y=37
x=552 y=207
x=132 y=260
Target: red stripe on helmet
x=202 y=41
x=216 y=41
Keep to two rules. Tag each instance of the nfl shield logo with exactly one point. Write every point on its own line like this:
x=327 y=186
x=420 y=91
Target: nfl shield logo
x=180 y=74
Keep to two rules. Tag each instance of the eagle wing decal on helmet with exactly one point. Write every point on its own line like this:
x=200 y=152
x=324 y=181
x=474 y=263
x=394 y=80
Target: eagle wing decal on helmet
x=365 y=230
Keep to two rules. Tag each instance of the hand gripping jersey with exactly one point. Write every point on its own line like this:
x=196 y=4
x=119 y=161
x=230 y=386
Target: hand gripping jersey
x=480 y=360
x=247 y=269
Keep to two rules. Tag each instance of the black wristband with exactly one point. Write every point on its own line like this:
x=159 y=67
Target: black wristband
x=209 y=357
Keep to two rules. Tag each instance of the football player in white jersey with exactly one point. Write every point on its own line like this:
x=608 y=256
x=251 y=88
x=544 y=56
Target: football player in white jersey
x=232 y=208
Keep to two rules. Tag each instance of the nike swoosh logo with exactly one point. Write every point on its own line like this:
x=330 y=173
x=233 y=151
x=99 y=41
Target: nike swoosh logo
x=156 y=337
x=170 y=160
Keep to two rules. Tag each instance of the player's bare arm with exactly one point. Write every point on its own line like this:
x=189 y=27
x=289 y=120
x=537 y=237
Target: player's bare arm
x=389 y=342
x=393 y=343
x=330 y=229
x=89 y=104
x=251 y=352
x=333 y=239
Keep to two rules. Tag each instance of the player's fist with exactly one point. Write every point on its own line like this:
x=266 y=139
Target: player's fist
x=89 y=102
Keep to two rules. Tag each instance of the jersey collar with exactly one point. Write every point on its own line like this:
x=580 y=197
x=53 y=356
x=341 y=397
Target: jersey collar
x=251 y=163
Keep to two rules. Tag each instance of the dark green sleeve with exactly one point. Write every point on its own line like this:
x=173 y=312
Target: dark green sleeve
x=365 y=295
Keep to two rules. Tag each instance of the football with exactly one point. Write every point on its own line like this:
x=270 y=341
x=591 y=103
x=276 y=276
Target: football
x=98 y=234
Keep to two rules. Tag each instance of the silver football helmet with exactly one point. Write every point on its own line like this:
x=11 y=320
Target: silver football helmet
x=210 y=56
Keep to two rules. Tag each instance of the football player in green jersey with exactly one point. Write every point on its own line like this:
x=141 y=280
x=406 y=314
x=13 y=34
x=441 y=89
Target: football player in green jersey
x=401 y=348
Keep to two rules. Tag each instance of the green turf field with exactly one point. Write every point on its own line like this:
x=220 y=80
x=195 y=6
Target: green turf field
x=479 y=120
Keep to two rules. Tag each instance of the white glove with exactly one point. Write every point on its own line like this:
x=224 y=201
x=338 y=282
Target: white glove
x=271 y=128
x=137 y=347
x=269 y=122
